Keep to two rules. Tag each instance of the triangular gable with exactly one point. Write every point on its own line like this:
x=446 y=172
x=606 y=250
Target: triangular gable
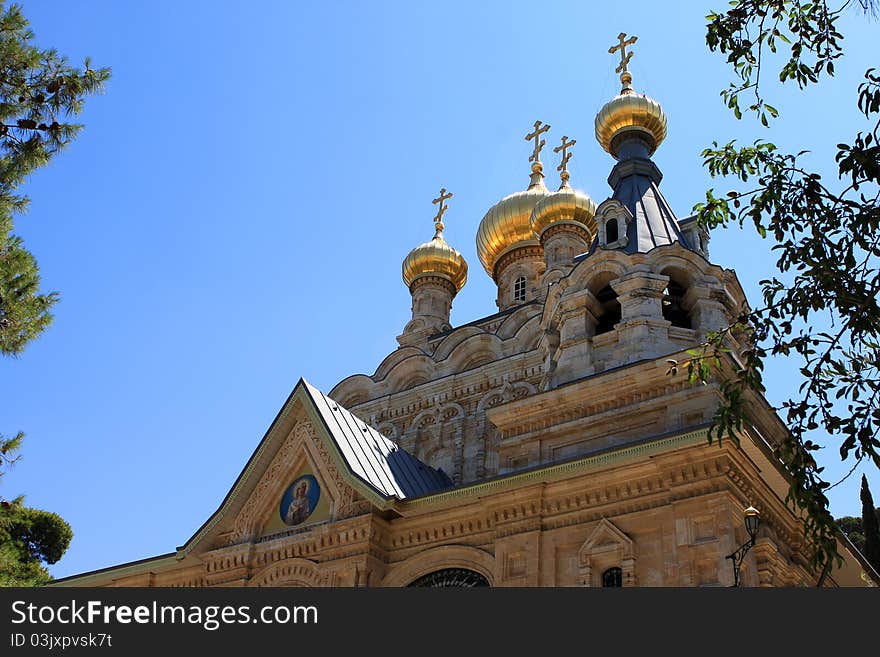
x=320 y=451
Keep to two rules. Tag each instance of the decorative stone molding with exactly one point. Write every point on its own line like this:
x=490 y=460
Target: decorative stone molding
x=292 y=572
x=606 y=547
x=447 y=556
x=302 y=445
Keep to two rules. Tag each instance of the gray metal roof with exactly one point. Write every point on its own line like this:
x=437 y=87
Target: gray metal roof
x=636 y=185
x=371 y=457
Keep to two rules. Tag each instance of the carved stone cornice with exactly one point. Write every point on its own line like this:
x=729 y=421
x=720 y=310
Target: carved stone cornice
x=437 y=281
x=532 y=252
x=571 y=227
x=609 y=390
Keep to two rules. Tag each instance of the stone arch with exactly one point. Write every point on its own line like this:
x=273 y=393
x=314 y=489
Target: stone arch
x=423 y=419
x=490 y=399
x=511 y=391
x=606 y=265
x=475 y=351
x=529 y=334
x=393 y=359
x=409 y=372
x=290 y=572
x=514 y=322
x=439 y=558
x=353 y=390
x=451 y=341
x=676 y=256
x=449 y=411
x=606 y=547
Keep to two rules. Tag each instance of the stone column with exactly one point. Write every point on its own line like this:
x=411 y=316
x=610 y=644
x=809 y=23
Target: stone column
x=576 y=326
x=642 y=332
x=706 y=308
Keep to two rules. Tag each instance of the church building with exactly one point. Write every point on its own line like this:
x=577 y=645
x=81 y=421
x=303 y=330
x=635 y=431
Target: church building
x=547 y=444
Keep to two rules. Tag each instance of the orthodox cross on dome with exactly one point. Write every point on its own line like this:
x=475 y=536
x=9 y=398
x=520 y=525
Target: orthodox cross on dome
x=539 y=143
x=566 y=156
x=438 y=220
x=623 y=67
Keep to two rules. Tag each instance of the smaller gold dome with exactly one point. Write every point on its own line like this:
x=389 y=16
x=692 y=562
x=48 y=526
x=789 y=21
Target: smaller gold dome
x=630 y=111
x=507 y=226
x=435 y=258
x=566 y=206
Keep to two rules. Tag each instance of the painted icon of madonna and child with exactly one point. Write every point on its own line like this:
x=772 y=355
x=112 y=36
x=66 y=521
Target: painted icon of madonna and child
x=300 y=500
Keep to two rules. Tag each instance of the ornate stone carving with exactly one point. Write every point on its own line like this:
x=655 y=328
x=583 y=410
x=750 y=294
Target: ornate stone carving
x=292 y=572
x=273 y=480
x=607 y=547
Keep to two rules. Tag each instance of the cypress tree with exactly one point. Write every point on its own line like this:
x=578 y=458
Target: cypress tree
x=871 y=526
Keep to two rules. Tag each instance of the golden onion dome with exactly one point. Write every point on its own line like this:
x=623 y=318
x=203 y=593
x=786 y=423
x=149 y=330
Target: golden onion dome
x=507 y=224
x=435 y=258
x=566 y=206
x=630 y=112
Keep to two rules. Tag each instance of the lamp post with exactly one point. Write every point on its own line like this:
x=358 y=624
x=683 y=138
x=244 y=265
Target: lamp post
x=752 y=519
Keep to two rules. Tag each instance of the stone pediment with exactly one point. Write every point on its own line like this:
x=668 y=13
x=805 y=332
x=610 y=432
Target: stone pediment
x=317 y=463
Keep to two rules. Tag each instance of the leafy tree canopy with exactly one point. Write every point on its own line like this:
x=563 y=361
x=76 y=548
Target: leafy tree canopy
x=29 y=537
x=822 y=308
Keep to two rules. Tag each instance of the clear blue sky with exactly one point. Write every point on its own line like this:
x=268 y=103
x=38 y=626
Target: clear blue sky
x=236 y=211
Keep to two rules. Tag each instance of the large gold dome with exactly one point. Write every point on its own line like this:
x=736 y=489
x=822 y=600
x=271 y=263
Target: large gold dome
x=507 y=225
x=630 y=111
x=435 y=258
x=566 y=206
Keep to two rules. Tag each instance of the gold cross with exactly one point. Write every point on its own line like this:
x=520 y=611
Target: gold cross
x=566 y=156
x=535 y=156
x=624 y=55
x=438 y=220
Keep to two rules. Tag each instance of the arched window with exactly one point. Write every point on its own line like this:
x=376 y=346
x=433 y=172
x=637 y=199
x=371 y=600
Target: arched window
x=673 y=310
x=612 y=578
x=519 y=289
x=611 y=234
x=451 y=578
x=610 y=310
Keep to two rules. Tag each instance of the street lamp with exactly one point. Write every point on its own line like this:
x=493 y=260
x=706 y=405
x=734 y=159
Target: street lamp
x=752 y=519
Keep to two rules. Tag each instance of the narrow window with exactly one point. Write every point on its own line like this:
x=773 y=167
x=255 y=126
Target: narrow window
x=610 y=310
x=612 y=578
x=611 y=234
x=519 y=289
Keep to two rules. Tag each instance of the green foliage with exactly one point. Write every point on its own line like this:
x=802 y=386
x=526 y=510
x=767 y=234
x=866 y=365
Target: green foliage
x=39 y=95
x=24 y=312
x=29 y=537
x=827 y=245
x=853 y=527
